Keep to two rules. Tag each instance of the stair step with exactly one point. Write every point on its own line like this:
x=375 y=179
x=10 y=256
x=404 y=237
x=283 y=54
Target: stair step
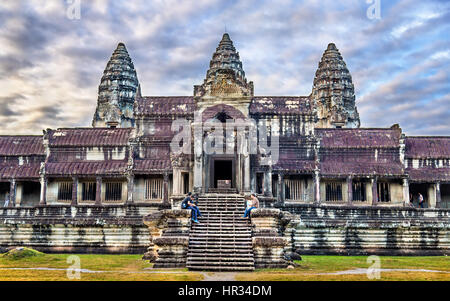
x=245 y=257
x=220 y=264
x=220 y=242
x=213 y=268
x=217 y=244
x=224 y=235
x=241 y=253
x=222 y=232
x=220 y=226
x=197 y=250
x=218 y=260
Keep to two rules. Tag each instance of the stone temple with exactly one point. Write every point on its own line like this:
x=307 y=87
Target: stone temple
x=326 y=185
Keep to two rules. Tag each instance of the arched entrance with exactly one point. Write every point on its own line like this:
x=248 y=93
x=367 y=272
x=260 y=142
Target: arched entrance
x=223 y=168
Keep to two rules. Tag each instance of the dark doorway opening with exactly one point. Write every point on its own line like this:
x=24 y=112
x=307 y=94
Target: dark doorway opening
x=445 y=196
x=4 y=192
x=259 y=183
x=30 y=194
x=415 y=189
x=223 y=171
x=185 y=183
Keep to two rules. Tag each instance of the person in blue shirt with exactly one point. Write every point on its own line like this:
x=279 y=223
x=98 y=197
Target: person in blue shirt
x=190 y=202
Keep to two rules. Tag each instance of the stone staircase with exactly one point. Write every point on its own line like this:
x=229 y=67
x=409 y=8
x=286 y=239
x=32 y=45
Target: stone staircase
x=223 y=239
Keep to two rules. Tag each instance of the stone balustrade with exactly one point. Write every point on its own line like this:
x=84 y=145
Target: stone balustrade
x=270 y=244
x=169 y=238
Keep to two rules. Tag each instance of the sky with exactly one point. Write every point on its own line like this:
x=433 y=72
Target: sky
x=52 y=57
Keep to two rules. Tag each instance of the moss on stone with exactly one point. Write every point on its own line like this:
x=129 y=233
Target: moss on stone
x=21 y=253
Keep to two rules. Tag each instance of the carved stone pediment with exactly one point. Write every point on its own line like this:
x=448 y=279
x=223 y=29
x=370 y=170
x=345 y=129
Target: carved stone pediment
x=179 y=160
x=225 y=85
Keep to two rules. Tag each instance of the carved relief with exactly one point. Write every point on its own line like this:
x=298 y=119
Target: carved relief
x=179 y=160
x=222 y=86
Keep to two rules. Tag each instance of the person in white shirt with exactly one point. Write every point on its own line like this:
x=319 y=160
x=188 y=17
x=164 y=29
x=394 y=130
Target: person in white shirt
x=252 y=203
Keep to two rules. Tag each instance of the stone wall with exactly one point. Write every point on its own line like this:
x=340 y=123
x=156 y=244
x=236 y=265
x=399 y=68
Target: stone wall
x=83 y=229
x=368 y=230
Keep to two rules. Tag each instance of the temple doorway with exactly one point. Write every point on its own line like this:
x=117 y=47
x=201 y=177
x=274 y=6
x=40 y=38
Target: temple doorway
x=223 y=174
x=415 y=189
x=445 y=196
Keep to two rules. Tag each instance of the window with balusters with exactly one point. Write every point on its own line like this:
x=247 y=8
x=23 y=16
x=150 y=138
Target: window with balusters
x=65 y=191
x=113 y=191
x=295 y=189
x=154 y=189
x=384 y=195
x=333 y=192
x=88 y=191
x=359 y=191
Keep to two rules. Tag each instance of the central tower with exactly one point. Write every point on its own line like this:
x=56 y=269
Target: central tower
x=225 y=76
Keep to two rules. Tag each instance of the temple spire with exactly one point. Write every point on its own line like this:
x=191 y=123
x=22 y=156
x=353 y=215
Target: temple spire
x=225 y=69
x=333 y=92
x=117 y=90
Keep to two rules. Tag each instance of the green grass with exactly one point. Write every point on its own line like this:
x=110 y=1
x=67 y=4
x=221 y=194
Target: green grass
x=115 y=267
x=310 y=266
x=131 y=267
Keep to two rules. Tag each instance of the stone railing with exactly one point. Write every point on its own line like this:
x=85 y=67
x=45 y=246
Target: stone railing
x=169 y=238
x=272 y=235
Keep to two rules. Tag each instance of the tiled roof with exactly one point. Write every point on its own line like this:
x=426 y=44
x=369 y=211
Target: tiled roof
x=280 y=105
x=429 y=174
x=145 y=165
x=86 y=168
x=161 y=105
x=21 y=145
x=89 y=137
x=15 y=171
x=427 y=147
x=339 y=168
x=295 y=165
x=359 y=138
x=181 y=105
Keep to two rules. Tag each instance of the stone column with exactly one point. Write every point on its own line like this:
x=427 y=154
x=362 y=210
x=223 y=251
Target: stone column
x=438 y=195
x=130 y=187
x=74 y=191
x=247 y=174
x=43 y=198
x=177 y=180
x=432 y=196
x=166 y=188
x=406 y=192
x=198 y=156
x=268 y=183
x=316 y=187
x=253 y=182
x=280 y=185
x=12 y=193
x=374 y=191
x=98 y=193
x=350 y=190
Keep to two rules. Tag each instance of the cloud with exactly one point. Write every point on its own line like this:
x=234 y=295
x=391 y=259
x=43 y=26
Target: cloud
x=50 y=66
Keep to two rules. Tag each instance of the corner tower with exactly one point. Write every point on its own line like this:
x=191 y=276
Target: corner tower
x=117 y=91
x=333 y=92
